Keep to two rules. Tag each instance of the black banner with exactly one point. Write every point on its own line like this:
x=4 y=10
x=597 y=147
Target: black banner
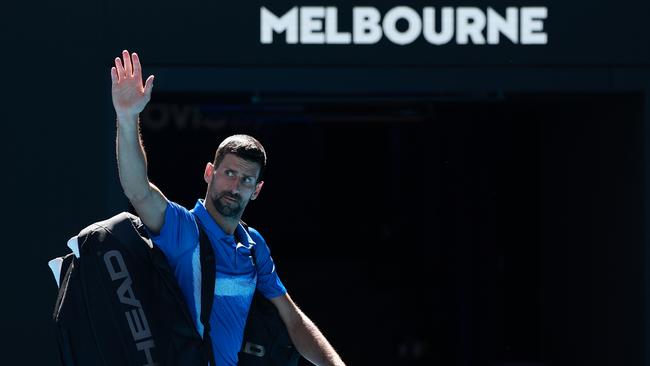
x=393 y=33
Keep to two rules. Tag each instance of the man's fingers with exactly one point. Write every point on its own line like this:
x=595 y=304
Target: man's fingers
x=120 y=69
x=137 y=69
x=114 y=77
x=128 y=67
x=148 y=86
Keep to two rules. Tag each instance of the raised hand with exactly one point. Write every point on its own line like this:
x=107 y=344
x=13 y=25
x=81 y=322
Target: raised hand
x=129 y=95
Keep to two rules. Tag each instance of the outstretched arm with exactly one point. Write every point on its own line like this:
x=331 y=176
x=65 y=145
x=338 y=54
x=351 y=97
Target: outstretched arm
x=309 y=341
x=129 y=99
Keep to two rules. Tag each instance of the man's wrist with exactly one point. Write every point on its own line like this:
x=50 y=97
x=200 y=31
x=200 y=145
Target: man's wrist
x=128 y=119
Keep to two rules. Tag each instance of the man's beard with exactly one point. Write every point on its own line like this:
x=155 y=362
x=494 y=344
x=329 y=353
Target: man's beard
x=227 y=208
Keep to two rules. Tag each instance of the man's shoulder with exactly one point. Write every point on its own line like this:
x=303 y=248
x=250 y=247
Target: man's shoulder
x=178 y=233
x=177 y=206
x=181 y=212
x=177 y=217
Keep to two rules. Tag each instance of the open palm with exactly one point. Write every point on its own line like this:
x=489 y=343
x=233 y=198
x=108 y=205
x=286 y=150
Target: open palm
x=129 y=95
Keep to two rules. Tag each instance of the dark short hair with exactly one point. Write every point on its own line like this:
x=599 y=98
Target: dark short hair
x=244 y=146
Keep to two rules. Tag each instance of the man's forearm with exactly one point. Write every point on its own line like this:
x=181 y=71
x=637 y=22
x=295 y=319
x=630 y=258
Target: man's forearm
x=311 y=343
x=131 y=159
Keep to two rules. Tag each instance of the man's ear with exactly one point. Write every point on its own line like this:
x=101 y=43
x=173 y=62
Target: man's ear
x=207 y=174
x=258 y=188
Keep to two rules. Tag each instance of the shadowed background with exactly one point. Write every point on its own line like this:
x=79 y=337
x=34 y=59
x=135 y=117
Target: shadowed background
x=425 y=205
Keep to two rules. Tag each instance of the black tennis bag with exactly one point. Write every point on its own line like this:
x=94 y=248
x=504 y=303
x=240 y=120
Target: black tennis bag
x=266 y=340
x=120 y=304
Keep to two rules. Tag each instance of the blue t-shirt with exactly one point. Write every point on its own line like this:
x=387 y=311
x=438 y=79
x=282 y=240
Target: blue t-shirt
x=236 y=275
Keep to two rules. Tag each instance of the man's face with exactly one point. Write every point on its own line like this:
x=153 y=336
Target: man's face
x=232 y=184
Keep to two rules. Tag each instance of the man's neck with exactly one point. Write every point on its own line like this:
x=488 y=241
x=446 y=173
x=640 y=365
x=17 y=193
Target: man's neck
x=228 y=225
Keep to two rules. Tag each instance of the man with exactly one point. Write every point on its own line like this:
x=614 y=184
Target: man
x=233 y=179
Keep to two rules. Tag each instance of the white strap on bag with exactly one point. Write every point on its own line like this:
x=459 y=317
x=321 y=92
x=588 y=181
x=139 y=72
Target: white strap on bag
x=57 y=263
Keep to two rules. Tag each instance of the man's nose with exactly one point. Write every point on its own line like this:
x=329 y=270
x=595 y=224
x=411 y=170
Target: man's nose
x=236 y=186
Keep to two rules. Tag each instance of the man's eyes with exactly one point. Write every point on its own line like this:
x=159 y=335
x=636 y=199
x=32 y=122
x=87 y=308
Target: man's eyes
x=246 y=179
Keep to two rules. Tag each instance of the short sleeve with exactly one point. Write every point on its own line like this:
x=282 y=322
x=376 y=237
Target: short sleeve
x=178 y=234
x=268 y=282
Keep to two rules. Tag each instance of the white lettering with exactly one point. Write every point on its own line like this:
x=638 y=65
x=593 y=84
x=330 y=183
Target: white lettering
x=311 y=25
x=532 y=25
x=508 y=26
x=413 y=29
x=469 y=24
x=287 y=23
x=365 y=25
x=446 y=25
x=332 y=34
x=464 y=25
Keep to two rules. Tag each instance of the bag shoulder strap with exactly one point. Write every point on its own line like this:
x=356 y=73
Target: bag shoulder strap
x=208 y=281
x=208 y=278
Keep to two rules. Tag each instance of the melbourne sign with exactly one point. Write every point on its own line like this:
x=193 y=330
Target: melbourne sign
x=403 y=25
